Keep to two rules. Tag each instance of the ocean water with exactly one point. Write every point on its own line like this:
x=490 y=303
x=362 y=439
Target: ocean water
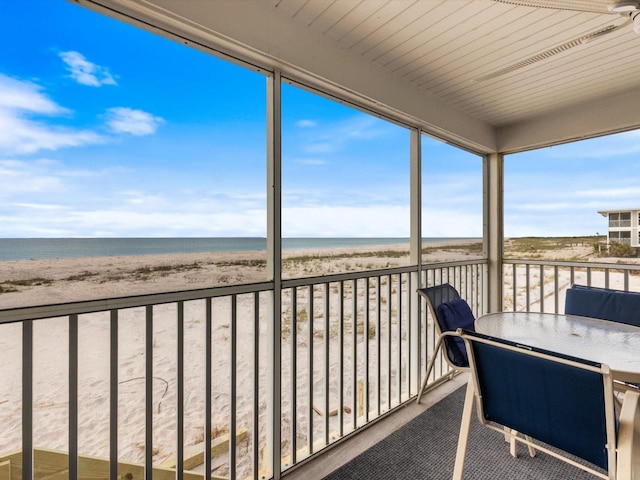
x=41 y=248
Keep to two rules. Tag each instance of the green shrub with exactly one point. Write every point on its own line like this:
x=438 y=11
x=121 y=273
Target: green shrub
x=621 y=250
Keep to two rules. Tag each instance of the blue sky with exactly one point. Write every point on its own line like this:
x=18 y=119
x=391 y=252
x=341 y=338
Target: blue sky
x=560 y=189
x=108 y=130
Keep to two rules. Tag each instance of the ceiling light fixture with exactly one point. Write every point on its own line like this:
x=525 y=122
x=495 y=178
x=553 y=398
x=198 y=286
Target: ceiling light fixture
x=624 y=6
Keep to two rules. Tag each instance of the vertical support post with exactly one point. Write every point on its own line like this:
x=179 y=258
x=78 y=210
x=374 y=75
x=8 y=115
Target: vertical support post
x=415 y=256
x=493 y=210
x=274 y=268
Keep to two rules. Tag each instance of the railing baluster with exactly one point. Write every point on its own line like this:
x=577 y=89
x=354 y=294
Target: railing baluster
x=389 y=333
x=233 y=400
x=113 y=396
x=148 y=407
x=515 y=286
x=327 y=361
x=572 y=275
x=365 y=338
x=341 y=361
x=208 y=351
x=180 y=392
x=626 y=280
x=73 y=397
x=399 y=345
x=27 y=399
x=541 y=274
x=294 y=375
x=255 y=437
x=528 y=287
x=354 y=353
x=378 y=345
x=310 y=372
x=556 y=289
x=413 y=353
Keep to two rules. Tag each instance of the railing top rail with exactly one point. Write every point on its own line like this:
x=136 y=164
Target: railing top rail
x=340 y=277
x=105 y=304
x=36 y=312
x=563 y=263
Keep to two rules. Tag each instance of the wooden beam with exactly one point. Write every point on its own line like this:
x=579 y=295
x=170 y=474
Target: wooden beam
x=219 y=445
x=53 y=464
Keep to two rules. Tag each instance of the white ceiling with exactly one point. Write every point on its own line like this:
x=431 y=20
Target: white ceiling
x=437 y=63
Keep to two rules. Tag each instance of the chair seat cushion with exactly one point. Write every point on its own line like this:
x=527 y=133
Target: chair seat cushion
x=453 y=315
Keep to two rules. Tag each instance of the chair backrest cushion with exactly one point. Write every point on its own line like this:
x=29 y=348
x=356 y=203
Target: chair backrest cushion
x=605 y=303
x=559 y=404
x=451 y=316
x=440 y=294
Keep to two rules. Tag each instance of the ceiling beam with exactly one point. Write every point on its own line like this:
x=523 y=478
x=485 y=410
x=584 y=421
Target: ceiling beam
x=611 y=114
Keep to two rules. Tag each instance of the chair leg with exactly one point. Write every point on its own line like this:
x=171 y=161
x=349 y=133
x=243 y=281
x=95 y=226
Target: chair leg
x=512 y=444
x=532 y=451
x=511 y=440
x=465 y=426
x=429 y=368
x=628 y=461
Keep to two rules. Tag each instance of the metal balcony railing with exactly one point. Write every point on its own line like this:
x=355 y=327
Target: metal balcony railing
x=229 y=382
x=540 y=285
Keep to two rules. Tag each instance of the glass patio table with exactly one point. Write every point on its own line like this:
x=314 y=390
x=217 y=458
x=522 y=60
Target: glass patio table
x=602 y=341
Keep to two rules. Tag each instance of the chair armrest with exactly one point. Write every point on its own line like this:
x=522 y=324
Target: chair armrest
x=628 y=462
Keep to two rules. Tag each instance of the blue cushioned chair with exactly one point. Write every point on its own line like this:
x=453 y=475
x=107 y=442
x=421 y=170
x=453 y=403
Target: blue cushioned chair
x=605 y=303
x=450 y=313
x=564 y=402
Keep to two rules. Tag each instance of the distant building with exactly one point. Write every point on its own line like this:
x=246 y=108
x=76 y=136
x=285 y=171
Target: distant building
x=623 y=226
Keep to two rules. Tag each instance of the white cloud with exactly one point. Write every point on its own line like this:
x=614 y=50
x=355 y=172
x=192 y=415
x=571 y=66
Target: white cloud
x=23 y=179
x=20 y=134
x=85 y=72
x=310 y=161
x=334 y=137
x=23 y=136
x=134 y=122
x=544 y=207
x=632 y=192
x=39 y=206
x=345 y=221
x=23 y=96
x=306 y=123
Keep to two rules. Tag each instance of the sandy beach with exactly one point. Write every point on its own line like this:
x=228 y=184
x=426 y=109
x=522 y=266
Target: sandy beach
x=61 y=280
x=28 y=282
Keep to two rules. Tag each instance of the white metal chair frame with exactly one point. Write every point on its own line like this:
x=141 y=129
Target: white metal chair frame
x=623 y=448
x=454 y=368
